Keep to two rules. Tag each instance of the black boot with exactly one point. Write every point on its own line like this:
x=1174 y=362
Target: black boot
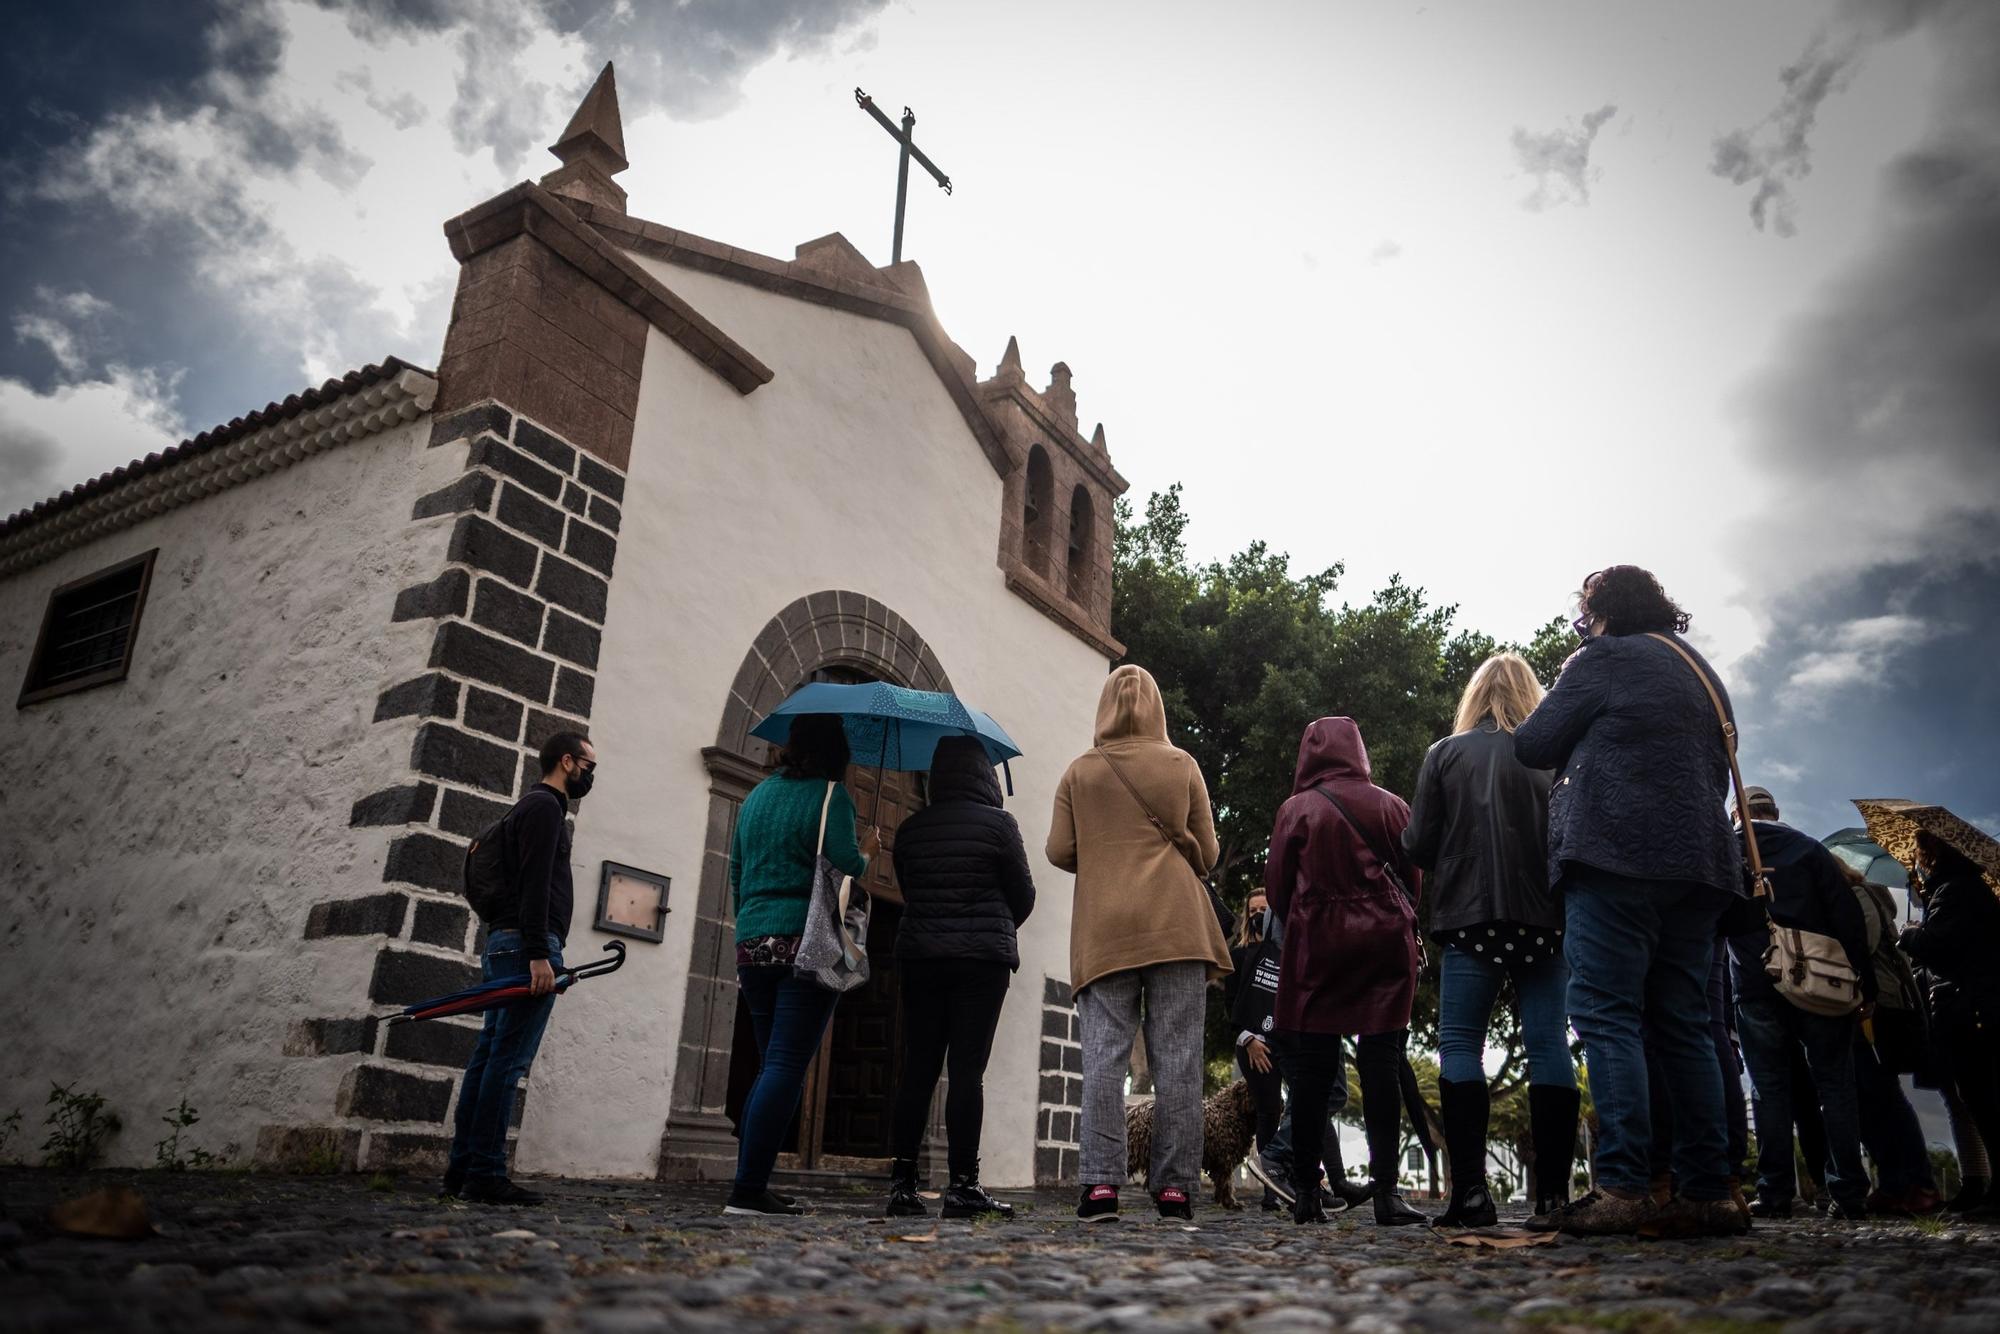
x=965 y=1198
x=1391 y=1209
x=1379 y=1062
x=1972 y=1193
x=1464 y=1105
x=904 y=1202
x=1552 y=1119
x=1349 y=1194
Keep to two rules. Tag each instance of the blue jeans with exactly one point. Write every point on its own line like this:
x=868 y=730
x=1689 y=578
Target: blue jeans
x=1468 y=986
x=1770 y=1027
x=1641 y=950
x=789 y=1016
x=508 y=1040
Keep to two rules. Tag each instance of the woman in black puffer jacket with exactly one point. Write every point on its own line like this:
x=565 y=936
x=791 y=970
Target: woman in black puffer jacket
x=964 y=876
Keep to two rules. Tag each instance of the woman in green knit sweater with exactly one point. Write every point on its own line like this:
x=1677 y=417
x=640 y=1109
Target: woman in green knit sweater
x=771 y=860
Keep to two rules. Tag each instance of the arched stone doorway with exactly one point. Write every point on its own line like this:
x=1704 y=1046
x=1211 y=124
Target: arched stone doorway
x=830 y=635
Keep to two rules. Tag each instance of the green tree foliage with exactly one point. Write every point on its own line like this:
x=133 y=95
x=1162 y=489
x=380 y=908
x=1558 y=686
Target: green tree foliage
x=1247 y=653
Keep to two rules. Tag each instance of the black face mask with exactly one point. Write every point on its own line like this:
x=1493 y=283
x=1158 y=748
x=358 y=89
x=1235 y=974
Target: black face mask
x=580 y=781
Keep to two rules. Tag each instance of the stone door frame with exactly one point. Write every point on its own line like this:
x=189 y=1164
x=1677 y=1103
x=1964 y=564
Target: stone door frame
x=836 y=628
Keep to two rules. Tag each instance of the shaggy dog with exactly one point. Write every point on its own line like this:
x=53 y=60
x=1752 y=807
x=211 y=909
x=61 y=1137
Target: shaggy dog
x=1228 y=1128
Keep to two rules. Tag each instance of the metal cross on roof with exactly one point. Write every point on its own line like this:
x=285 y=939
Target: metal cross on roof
x=910 y=150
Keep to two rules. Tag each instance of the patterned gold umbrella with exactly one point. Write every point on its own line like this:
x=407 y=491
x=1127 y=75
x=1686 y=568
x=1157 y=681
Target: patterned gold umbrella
x=1893 y=823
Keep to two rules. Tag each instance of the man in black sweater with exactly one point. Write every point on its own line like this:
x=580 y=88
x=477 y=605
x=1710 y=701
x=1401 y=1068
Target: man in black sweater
x=525 y=931
x=1808 y=891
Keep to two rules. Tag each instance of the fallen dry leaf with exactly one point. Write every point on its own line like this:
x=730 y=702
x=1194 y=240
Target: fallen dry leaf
x=1502 y=1238
x=117 y=1212
x=919 y=1238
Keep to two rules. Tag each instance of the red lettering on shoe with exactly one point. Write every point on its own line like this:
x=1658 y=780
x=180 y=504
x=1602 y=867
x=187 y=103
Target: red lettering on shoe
x=1104 y=1192
x=1173 y=1195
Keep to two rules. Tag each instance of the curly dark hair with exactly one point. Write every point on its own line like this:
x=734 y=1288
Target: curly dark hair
x=816 y=747
x=1631 y=602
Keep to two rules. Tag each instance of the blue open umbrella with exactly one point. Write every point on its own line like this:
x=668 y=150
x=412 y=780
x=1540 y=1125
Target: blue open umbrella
x=888 y=726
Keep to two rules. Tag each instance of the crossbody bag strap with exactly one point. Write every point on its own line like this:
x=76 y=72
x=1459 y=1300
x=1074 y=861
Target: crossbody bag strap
x=1159 y=826
x=846 y=880
x=1758 y=878
x=1151 y=819
x=1388 y=867
x=826 y=804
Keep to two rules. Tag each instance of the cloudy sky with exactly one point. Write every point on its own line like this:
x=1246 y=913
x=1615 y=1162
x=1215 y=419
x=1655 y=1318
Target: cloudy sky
x=1490 y=295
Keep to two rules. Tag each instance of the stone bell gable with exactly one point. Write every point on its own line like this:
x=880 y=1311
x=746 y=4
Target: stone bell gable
x=1055 y=534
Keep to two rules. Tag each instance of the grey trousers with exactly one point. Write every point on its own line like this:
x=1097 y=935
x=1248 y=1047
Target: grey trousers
x=1172 y=998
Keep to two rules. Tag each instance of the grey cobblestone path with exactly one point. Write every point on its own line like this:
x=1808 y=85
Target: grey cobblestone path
x=256 y=1253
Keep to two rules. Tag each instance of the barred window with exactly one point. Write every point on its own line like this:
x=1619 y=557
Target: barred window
x=88 y=631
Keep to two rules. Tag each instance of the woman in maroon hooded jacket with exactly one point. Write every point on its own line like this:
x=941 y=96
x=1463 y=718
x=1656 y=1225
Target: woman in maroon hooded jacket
x=1339 y=880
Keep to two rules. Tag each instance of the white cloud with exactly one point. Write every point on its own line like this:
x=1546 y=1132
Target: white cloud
x=1860 y=653
x=79 y=430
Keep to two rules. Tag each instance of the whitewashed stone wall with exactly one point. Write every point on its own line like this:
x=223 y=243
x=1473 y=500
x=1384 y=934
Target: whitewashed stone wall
x=166 y=838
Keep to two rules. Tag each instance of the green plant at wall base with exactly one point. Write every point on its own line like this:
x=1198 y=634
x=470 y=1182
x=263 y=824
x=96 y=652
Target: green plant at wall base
x=167 y=1152
x=78 y=1126
x=322 y=1160
x=382 y=1182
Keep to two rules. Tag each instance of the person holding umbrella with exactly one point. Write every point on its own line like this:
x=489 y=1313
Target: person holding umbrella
x=1957 y=871
x=774 y=855
x=966 y=888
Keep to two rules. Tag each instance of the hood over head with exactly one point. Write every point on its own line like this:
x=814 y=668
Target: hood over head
x=1131 y=707
x=1330 y=750
x=960 y=771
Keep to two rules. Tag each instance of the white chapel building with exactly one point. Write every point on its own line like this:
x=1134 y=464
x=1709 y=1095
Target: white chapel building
x=270 y=681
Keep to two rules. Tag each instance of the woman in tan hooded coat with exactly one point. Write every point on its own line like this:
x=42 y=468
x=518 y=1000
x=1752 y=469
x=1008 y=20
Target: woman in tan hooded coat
x=1132 y=821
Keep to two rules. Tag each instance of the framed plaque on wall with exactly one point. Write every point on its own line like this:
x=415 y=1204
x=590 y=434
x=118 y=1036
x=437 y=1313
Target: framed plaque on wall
x=632 y=902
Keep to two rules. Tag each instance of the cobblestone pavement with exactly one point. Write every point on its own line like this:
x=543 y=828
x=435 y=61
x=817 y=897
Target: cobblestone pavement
x=242 y=1252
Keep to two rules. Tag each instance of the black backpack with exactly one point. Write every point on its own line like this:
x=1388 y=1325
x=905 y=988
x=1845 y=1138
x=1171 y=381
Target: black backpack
x=489 y=881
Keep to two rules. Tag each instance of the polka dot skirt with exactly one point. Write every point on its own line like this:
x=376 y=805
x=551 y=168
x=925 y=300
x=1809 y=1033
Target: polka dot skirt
x=1506 y=942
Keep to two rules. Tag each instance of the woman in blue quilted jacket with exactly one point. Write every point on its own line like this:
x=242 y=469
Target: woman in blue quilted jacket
x=1642 y=852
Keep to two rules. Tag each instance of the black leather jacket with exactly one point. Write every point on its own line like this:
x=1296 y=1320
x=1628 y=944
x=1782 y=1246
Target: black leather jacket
x=1479 y=827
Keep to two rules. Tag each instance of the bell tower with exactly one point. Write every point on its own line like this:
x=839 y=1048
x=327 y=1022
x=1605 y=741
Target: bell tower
x=1055 y=534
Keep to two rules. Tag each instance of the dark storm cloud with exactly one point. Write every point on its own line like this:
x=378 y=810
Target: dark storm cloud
x=1878 y=569
x=687 y=58
x=1559 y=160
x=1893 y=372
x=1776 y=153
x=99 y=193
x=1916 y=715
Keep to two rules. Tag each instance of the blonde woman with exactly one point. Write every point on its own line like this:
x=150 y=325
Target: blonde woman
x=1480 y=829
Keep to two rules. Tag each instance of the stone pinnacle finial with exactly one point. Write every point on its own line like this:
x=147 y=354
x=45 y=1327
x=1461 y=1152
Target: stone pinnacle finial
x=592 y=148
x=1097 y=438
x=1010 y=360
x=1061 y=399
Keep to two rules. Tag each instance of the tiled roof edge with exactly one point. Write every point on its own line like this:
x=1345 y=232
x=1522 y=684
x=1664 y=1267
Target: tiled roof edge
x=393 y=388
